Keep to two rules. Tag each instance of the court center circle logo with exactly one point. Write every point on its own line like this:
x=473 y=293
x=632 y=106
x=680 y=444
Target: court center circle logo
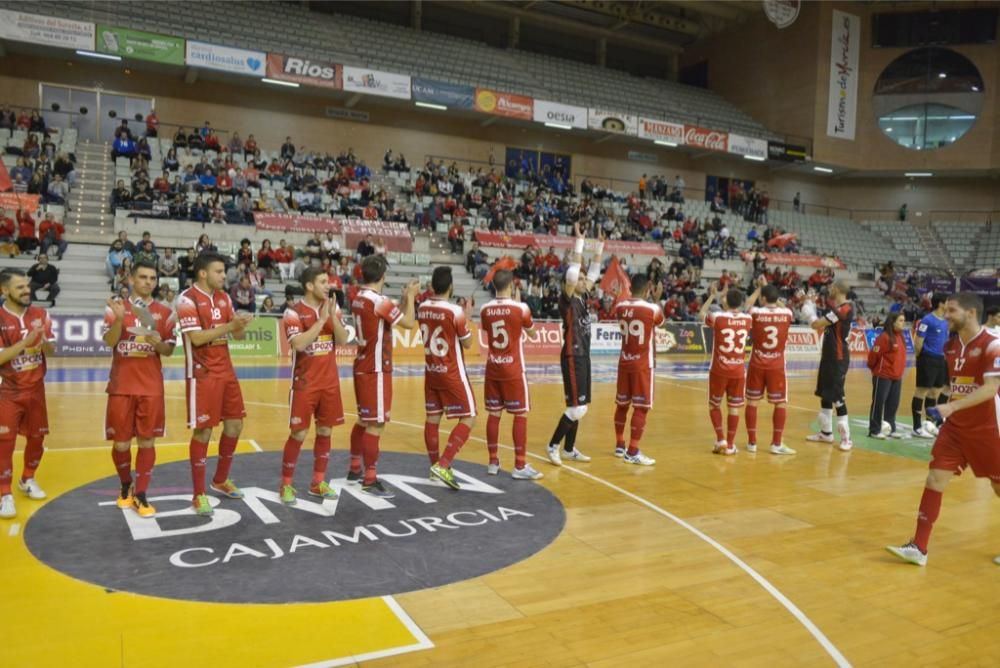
x=257 y=550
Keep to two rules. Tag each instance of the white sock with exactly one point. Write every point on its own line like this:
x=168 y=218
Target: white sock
x=844 y=427
x=826 y=420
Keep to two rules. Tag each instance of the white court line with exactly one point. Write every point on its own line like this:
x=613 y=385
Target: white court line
x=14 y=529
x=775 y=593
x=255 y=445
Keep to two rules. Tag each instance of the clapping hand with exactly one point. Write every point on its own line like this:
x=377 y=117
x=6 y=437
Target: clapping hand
x=117 y=308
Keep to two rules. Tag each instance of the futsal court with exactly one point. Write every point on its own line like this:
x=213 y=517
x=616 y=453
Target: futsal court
x=699 y=560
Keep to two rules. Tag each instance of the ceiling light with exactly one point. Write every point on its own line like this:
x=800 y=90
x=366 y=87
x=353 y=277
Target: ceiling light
x=914 y=174
x=943 y=75
x=559 y=126
x=276 y=82
x=428 y=105
x=888 y=129
x=91 y=54
x=758 y=158
x=665 y=143
x=825 y=170
x=975 y=88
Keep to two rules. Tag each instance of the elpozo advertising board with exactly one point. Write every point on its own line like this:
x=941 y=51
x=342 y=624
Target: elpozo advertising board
x=562 y=114
x=375 y=82
x=747 y=146
x=612 y=121
x=304 y=71
x=225 y=59
x=46 y=30
x=661 y=131
x=450 y=95
x=141 y=45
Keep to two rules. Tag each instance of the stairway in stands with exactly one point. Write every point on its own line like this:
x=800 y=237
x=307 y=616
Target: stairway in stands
x=90 y=219
x=937 y=254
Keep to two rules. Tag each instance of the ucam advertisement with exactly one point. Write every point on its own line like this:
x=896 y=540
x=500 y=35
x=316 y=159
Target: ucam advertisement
x=612 y=121
x=661 y=131
x=504 y=104
x=374 y=82
x=451 y=95
x=845 y=49
x=141 y=45
x=46 y=30
x=560 y=114
x=747 y=146
x=226 y=59
x=304 y=71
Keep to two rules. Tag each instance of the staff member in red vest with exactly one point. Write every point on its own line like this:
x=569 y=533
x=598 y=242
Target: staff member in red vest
x=887 y=361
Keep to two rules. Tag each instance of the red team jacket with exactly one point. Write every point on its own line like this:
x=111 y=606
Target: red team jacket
x=885 y=363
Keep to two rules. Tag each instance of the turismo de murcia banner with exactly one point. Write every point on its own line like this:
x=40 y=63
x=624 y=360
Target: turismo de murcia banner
x=845 y=48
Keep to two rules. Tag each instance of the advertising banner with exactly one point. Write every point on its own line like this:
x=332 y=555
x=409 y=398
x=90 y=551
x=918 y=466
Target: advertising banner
x=857 y=341
x=374 y=82
x=142 y=45
x=777 y=150
x=225 y=59
x=563 y=114
x=283 y=222
x=710 y=140
x=747 y=146
x=395 y=235
x=46 y=30
x=845 y=49
x=79 y=335
x=504 y=104
x=440 y=92
x=612 y=121
x=676 y=338
x=261 y=339
x=305 y=72
x=795 y=260
x=661 y=131
x=803 y=341
x=502 y=240
x=872 y=334
x=11 y=202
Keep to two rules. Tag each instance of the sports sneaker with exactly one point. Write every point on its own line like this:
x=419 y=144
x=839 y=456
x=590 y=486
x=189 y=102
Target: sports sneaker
x=726 y=450
x=228 y=489
x=781 y=449
x=996 y=560
x=845 y=446
x=620 y=452
x=638 y=459
x=575 y=455
x=878 y=437
x=896 y=434
x=7 y=509
x=931 y=427
x=376 y=489
x=287 y=493
x=202 y=506
x=527 y=473
x=141 y=505
x=493 y=468
x=323 y=490
x=447 y=476
x=354 y=477
x=921 y=433
x=31 y=489
x=909 y=553
x=125 y=498
x=751 y=447
x=720 y=446
x=820 y=438
x=554 y=455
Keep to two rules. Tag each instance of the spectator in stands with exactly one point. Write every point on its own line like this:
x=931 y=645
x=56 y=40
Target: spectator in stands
x=21 y=168
x=265 y=258
x=456 y=236
x=284 y=258
x=268 y=307
x=44 y=276
x=365 y=248
x=8 y=230
x=186 y=265
x=235 y=144
x=143 y=149
x=124 y=130
x=181 y=138
x=212 y=141
x=26 y=239
x=206 y=182
x=152 y=124
x=170 y=162
x=31 y=147
x=36 y=123
x=287 y=149
x=198 y=211
x=234 y=273
x=123 y=147
x=250 y=147
x=51 y=233
x=244 y=295
x=902 y=213
x=117 y=256
x=168 y=266
x=206 y=130
x=195 y=141
x=331 y=247
x=146 y=254
x=142 y=192
x=204 y=245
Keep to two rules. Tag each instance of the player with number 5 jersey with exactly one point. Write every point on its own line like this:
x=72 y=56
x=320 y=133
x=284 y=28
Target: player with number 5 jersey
x=767 y=365
x=727 y=375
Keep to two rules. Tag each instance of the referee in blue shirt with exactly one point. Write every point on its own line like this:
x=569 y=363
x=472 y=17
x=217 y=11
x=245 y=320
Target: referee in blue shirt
x=932 y=370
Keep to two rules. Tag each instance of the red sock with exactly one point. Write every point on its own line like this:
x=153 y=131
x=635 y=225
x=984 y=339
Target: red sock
x=493 y=438
x=778 y=421
x=431 y=441
x=716 y=414
x=930 y=508
x=227 y=446
x=752 y=424
x=369 y=443
x=520 y=440
x=144 y=460
x=459 y=435
x=289 y=458
x=357 y=447
x=321 y=457
x=621 y=415
x=638 y=426
x=6 y=464
x=123 y=464
x=33 y=451
x=198 y=452
x=732 y=425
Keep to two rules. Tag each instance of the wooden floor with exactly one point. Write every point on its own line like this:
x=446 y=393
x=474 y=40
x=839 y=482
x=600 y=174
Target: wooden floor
x=753 y=560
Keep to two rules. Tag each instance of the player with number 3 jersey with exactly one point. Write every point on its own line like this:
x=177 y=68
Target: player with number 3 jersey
x=767 y=366
x=727 y=375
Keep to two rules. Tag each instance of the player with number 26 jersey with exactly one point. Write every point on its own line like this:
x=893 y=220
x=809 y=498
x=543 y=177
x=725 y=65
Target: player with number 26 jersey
x=443 y=327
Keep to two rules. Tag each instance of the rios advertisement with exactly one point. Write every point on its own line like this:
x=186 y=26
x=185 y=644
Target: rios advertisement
x=138 y=44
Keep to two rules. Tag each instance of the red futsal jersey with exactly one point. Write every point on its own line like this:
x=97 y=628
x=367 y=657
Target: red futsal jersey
x=638 y=320
x=443 y=327
x=729 y=332
x=315 y=368
x=198 y=310
x=135 y=364
x=968 y=365
x=26 y=372
x=769 y=336
x=504 y=320
x=374 y=316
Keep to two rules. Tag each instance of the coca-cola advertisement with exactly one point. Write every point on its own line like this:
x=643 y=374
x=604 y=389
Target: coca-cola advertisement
x=710 y=140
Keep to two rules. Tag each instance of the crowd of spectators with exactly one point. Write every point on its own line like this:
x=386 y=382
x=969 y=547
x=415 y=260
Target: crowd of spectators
x=40 y=169
x=20 y=234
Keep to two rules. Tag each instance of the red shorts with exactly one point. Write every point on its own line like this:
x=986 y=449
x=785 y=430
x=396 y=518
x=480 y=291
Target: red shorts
x=129 y=416
x=25 y=414
x=635 y=387
x=954 y=451
x=210 y=400
x=373 y=392
x=454 y=399
x=732 y=389
x=510 y=394
x=325 y=405
x=770 y=380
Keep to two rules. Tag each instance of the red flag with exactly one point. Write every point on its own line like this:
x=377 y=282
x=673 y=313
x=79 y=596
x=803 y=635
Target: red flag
x=782 y=240
x=616 y=281
x=506 y=262
x=5 y=182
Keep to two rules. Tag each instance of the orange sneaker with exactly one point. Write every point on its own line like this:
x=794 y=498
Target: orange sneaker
x=125 y=498
x=141 y=505
x=227 y=488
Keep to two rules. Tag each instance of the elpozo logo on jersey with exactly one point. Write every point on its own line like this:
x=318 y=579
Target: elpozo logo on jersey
x=257 y=550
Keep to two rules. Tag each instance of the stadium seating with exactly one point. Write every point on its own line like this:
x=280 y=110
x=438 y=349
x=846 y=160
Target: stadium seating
x=960 y=240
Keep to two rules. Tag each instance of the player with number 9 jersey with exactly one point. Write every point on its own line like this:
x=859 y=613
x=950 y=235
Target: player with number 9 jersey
x=769 y=333
x=638 y=320
x=443 y=328
x=506 y=387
